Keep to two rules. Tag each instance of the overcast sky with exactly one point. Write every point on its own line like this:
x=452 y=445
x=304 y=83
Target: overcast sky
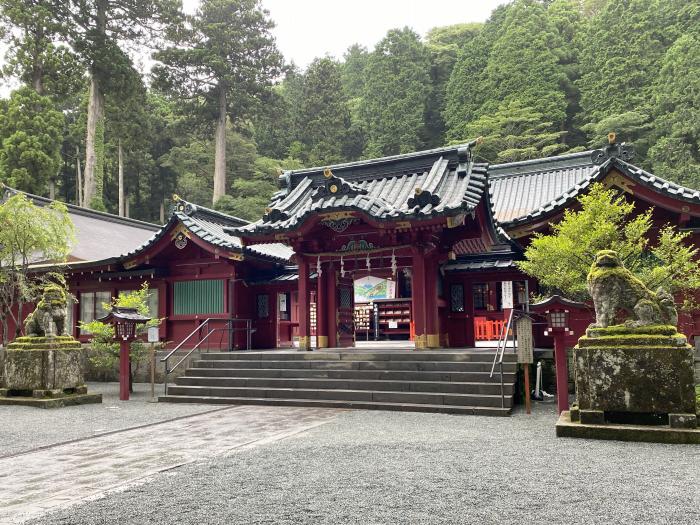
x=306 y=29
x=310 y=28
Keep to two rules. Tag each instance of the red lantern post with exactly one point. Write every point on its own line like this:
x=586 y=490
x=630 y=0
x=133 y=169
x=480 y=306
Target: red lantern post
x=124 y=321
x=557 y=311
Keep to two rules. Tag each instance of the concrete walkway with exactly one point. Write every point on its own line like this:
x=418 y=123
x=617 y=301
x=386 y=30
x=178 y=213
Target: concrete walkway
x=35 y=482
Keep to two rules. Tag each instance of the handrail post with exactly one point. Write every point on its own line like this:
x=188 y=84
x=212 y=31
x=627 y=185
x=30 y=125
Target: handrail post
x=165 y=378
x=503 y=397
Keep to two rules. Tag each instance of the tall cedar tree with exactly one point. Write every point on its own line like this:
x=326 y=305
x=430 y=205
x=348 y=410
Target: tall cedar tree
x=97 y=31
x=397 y=90
x=621 y=51
x=31 y=129
x=225 y=60
x=676 y=151
x=32 y=55
x=323 y=113
x=522 y=66
x=444 y=45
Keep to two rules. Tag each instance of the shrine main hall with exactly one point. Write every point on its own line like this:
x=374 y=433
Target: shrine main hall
x=419 y=249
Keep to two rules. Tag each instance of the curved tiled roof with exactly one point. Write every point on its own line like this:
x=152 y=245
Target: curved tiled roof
x=524 y=191
x=436 y=182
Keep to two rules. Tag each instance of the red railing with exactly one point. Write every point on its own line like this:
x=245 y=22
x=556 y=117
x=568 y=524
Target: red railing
x=486 y=329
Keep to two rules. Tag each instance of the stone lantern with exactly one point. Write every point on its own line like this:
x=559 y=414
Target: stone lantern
x=124 y=321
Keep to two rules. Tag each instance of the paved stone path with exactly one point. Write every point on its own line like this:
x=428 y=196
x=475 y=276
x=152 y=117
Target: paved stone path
x=37 y=481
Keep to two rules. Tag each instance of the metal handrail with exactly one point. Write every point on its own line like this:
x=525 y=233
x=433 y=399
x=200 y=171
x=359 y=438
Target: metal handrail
x=500 y=350
x=228 y=327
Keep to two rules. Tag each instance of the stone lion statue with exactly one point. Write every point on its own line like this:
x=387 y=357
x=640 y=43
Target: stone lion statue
x=614 y=288
x=49 y=316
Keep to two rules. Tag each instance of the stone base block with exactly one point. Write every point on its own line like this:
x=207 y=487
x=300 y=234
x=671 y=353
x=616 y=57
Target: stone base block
x=648 y=434
x=55 y=402
x=592 y=417
x=682 y=421
x=44 y=363
x=575 y=413
x=55 y=392
x=617 y=373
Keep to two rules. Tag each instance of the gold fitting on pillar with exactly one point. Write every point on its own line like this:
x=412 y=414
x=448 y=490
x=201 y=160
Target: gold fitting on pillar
x=304 y=343
x=433 y=340
x=322 y=341
x=420 y=341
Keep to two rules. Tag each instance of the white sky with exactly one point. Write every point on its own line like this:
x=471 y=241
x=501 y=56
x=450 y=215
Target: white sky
x=311 y=28
x=306 y=29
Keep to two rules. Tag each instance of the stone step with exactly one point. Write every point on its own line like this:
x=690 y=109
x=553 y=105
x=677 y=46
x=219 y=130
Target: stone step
x=422 y=398
x=350 y=384
x=404 y=407
x=390 y=375
x=356 y=356
x=428 y=366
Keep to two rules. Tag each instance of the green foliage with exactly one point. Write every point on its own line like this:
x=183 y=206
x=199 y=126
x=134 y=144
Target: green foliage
x=105 y=353
x=560 y=261
x=323 y=114
x=31 y=131
x=676 y=152
x=226 y=47
x=514 y=133
x=29 y=233
x=396 y=94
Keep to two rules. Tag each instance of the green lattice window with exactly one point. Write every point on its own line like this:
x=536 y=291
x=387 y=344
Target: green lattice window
x=199 y=297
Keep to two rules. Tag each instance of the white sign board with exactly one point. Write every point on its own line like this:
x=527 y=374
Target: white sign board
x=283 y=302
x=393 y=324
x=523 y=332
x=507 y=294
x=153 y=334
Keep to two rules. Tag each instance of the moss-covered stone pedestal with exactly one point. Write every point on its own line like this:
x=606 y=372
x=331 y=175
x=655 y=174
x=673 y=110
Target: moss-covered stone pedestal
x=633 y=384
x=45 y=372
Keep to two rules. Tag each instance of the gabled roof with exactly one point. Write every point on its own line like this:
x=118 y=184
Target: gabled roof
x=438 y=182
x=212 y=227
x=98 y=235
x=524 y=191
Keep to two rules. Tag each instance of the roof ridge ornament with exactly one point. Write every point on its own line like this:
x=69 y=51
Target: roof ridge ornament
x=334 y=186
x=614 y=149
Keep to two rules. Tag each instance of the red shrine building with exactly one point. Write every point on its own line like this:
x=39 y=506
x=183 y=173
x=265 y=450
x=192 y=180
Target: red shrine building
x=412 y=247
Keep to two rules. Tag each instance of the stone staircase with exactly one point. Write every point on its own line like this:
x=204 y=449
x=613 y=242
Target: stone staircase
x=438 y=381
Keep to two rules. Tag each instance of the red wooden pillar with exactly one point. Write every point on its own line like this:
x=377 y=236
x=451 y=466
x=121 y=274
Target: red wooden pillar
x=418 y=298
x=303 y=306
x=322 y=308
x=332 y=305
x=432 y=322
x=124 y=370
x=561 y=370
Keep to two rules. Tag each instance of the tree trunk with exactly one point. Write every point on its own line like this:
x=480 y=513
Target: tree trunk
x=220 y=151
x=94 y=145
x=52 y=190
x=122 y=210
x=79 y=182
x=94 y=141
x=162 y=212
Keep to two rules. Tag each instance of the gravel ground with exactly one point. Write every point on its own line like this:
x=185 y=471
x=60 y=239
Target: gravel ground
x=26 y=428
x=382 y=467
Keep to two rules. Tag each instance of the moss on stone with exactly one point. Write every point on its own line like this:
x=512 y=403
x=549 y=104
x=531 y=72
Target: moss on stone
x=621 y=329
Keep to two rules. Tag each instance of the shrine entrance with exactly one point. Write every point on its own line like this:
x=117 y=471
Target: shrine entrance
x=393 y=222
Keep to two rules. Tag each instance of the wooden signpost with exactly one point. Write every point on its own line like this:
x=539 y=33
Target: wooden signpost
x=523 y=330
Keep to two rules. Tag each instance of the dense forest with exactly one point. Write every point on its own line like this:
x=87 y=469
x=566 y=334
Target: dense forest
x=221 y=112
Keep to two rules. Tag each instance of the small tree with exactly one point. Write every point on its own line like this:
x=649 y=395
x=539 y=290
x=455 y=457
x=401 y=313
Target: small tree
x=29 y=234
x=561 y=260
x=105 y=350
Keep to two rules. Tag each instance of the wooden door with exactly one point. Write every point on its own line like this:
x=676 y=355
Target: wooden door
x=345 y=312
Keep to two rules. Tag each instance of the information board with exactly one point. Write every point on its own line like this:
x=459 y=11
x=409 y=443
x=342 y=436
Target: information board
x=507 y=294
x=523 y=332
